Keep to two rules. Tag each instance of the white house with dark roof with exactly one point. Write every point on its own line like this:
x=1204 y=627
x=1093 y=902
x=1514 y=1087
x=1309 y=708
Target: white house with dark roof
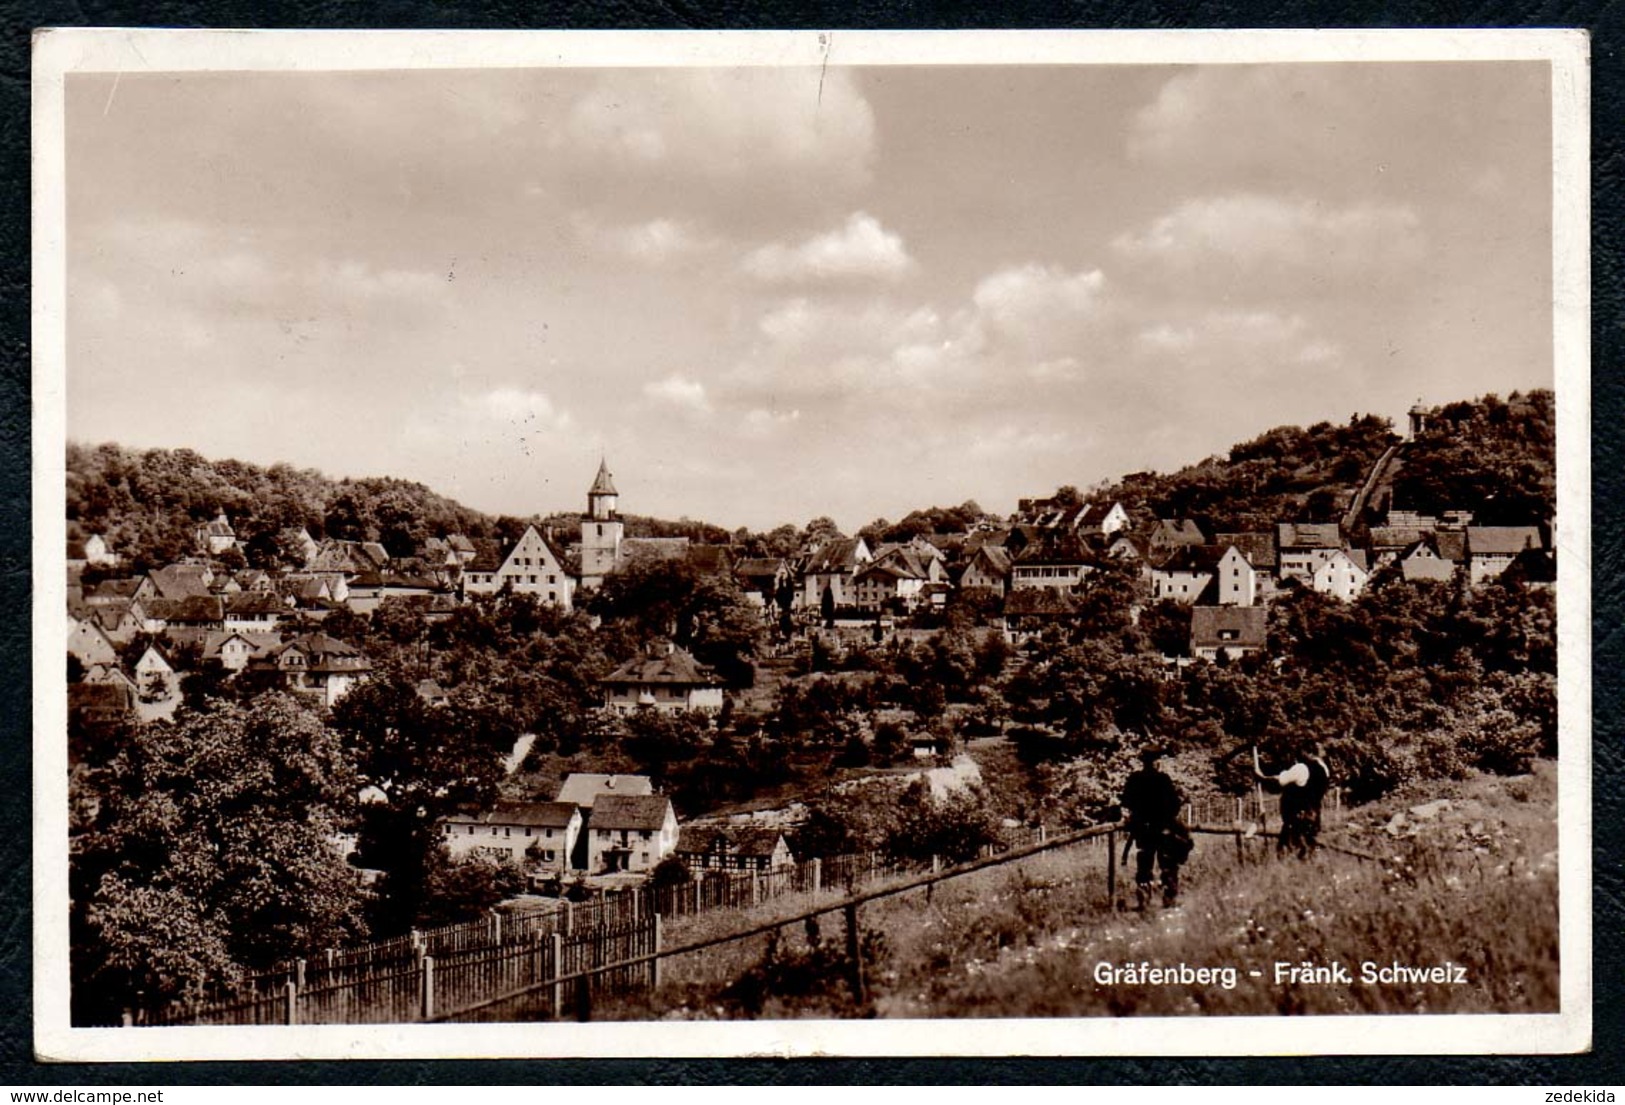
x=989 y=568
x=154 y=675
x=531 y=566
x=1058 y=562
x=315 y=664
x=217 y=536
x=1235 y=580
x=1422 y=561
x=1184 y=572
x=1302 y=547
x=535 y=835
x=896 y=578
x=253 y=611
x=1343 y=575
x=1232 y=631
x=234 y=648
x=630 y=832
x=1492 y=549
x=832 y=569
x=664 y=678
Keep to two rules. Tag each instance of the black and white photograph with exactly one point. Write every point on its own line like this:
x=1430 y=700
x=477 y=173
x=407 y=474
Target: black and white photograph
x=811 y=543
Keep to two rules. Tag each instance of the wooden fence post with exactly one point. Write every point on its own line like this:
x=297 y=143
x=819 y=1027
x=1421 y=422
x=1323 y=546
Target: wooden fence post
x=331 y=954
x=817 y=874
x=496 y=927
x=428 y=988
x=558 y=970
x=128 y=1019
x=654 y=964
x=854 y=952
x=569 y=913
x=1111 y=869
x=292 y=993
x=299 y=973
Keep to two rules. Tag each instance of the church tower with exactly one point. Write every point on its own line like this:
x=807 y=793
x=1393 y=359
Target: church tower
x=600 y=530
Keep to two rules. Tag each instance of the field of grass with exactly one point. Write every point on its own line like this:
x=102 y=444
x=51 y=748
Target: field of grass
x=1472 y=883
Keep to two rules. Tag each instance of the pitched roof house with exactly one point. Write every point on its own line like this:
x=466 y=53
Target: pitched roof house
x=1343 y=575
x=540 y=835
x=761 y=578
x=628 y=832
x=1301 y=547
x=316 y=664
x=1233 y=631
x=832 y=567
x=182 y=581
x=1491 y=549
x=531 y=566
x=664 y=678
x=217 y=536
x=1185 y=572
x=89 y=642
x=1167 y=533
x=1422 y=561
x=234 y=648
x=734 y=848
x=988 y=567
x=1057 y=562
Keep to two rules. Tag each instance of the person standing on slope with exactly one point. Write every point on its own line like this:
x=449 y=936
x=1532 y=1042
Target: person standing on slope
x=1303 y=788
x=1151 y=805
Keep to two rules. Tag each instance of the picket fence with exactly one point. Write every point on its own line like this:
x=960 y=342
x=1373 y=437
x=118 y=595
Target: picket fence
x=383 y=981
x=453 y=985
x=1256 y=807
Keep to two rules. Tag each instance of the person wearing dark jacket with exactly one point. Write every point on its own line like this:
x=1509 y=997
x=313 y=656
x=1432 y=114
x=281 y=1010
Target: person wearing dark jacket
x=1151 y=804
x=1303 y=788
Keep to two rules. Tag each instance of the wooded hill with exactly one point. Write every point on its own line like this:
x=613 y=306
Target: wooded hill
x=1491 y=456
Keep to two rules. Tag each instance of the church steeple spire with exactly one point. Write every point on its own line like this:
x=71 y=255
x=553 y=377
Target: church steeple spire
x=600 y=529
x=604 y=484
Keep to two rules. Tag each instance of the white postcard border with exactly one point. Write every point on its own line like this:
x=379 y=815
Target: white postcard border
x=58 y=52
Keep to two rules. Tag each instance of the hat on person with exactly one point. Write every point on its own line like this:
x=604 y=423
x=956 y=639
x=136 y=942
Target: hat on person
x=1151 y=752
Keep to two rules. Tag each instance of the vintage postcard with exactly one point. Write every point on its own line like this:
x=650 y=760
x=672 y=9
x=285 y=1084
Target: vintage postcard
x=689 y=544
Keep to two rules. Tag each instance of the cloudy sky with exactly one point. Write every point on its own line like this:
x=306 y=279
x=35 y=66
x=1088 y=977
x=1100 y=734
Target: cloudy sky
x=769 y=294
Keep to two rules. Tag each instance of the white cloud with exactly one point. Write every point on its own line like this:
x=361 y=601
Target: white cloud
x=518 y=406
x=860 y=250
x=1262 y=234
x=679 y=391
x=1038 y=304
x=652 y=242
x=1254 y=343
x=809 y=126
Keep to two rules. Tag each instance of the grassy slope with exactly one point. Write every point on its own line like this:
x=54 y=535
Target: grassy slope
x=1477 y=886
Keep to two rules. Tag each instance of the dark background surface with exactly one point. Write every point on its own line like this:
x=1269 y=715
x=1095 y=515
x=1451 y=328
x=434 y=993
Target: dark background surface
x=1606 y=21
